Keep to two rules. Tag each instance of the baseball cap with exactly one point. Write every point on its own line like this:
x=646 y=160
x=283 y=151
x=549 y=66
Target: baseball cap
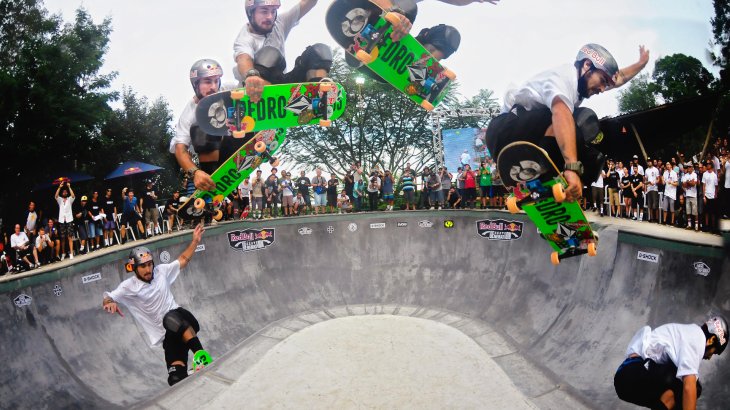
x=84 y=198
x=636 y=157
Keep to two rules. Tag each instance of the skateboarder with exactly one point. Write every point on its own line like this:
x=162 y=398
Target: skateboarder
x=205 y=77
x=661 y=368
x=544 y=111
x=148 y=296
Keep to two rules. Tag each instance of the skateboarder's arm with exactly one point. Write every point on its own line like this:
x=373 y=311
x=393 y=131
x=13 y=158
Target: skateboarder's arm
x=689 y=396
x=465 y=2
x=57 y=191
x=564 y=129
x=184 y=257
x=305 y=6
x=627 y=73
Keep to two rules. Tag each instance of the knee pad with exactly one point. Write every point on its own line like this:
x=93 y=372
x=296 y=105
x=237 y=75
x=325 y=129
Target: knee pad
x=315 y=57
x=270 y=63
x=444 y=38
x=175 y=322
x=202 y=142
x=176 y=373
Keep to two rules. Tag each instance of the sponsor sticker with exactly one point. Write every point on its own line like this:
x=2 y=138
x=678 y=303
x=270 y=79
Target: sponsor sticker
x=165 y=257
x=251 y=239
x=648 y=257
x=379 y=225
x=425 y=223
x=22 y=300
x=402 y=224
x=57 y=290
x=330 y=229
x=448 y=224
x=200 y=247
x=701 y=268
x=91 y=278
x=500 y=229
x=305 y=230
x=352 y=227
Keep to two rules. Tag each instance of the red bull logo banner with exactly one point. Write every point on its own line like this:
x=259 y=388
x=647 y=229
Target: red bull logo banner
x=251 y=239
x=500 y=229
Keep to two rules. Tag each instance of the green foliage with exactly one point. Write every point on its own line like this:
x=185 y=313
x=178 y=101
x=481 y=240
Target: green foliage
x=637 y=96
x=721 y=34
x=679 y=76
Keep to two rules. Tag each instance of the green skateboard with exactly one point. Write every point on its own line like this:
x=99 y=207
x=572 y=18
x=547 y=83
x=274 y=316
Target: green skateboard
x=281 y=106
x=363 y=28
x=538 y=189
x=234 y=170
x=200 y=360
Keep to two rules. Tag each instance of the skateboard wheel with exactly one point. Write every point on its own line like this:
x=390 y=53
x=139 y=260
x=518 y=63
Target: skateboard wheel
x=426 y=105
x=592 y=249
x=218 y=215
x=449 y=74
x=259 y=147
x=238 y=134
x=199 y=203
x=512 y=205
x=558 y=193
x=392 y=18
x=237 y=94
x=275 y=162
x=555 y=258
x=364 y=57
x=325 y=123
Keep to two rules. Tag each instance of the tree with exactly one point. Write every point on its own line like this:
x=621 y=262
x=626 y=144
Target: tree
x=54 y=98
x=139 y=131
x=721 y=34
x=638 y=96
x=380 y=126
x=679 y=76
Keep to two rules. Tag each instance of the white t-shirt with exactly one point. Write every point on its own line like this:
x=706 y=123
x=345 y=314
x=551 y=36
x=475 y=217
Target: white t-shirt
x=710 y=181
x=670 y=191
x=65 y=214
x=690 y=191
x=18 y=239
x=598 y=183
x=249 y=43
x=561 y=82
x=652 y=175
x=640 y=168
x=149 y=302
x=182 y=129
x=31 y=220
x=244 y=189
x=683 y=345
x=727 y=174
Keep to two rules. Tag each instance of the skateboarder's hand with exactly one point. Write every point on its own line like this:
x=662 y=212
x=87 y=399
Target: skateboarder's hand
x=113 y=308
x=400 y=30
x=198 y=233
x=254 y=88
x=203 y=181
x=575 y=186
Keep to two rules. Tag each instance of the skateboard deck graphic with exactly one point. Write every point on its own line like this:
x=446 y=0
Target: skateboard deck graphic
x=536 y=187
x=363 y=28
x=229 y=174
x=281 y=106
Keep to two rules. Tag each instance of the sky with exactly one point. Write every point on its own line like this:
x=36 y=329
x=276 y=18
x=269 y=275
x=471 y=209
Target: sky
x=154 y=43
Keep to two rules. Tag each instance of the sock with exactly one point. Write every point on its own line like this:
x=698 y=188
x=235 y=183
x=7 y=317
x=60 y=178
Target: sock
x=194 y=344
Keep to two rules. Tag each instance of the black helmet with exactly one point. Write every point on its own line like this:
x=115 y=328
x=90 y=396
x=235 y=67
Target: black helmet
x=445 y=38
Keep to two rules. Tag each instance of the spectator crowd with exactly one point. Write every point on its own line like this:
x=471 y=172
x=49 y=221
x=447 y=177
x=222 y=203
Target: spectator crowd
x=678 y=191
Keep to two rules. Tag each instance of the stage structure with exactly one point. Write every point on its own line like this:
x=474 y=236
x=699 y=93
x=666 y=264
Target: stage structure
x=438 y=115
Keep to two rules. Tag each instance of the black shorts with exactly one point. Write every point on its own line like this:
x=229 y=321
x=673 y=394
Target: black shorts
x=175 y=348
x=130 y=218
x=65 y=229
x=643 y=381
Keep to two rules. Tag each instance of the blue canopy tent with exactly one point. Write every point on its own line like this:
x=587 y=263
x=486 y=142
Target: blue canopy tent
x=129 y=168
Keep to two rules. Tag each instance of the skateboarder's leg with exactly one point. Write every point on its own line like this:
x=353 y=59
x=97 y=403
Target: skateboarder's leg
x=207 y=147
x=313 y=65
x=180 y=336
x=270 y=63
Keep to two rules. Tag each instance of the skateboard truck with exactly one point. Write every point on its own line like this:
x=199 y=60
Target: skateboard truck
x=241 y=125
x=201 y=205
x=366 y=48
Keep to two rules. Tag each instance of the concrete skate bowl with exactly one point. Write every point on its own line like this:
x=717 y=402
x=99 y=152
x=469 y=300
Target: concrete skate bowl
x=558 y=333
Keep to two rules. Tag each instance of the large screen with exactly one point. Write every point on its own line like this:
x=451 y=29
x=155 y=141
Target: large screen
x=457 y=142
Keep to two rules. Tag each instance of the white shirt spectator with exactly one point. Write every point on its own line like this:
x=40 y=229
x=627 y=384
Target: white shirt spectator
x=652 y=175
x=710 y=181
x=464 y=158
x=598 y=183
x=149 y=302
x=727 y=175
x=690 y=191
x=670 y=191
x=65 y=214
x=244 y=189
x=620 y=172
x=41 y=244
x=631 y=169
x=31 y=221
x=18 y=239
x=249 y=43
x=683 y=345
